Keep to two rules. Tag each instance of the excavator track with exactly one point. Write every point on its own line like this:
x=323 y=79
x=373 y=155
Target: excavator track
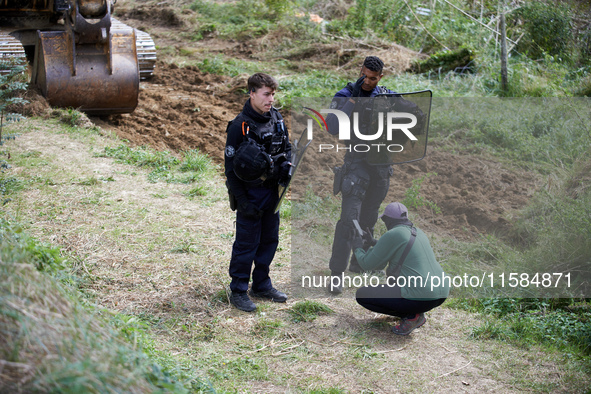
x=146 y=54
x=146 y=49
x=11 y=48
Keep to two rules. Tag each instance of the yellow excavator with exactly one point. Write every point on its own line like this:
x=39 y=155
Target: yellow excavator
x=80 y=56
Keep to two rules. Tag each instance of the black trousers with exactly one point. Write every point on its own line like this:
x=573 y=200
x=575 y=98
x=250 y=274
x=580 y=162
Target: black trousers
x=389 y=301
x=256 y=242
x=363 y=189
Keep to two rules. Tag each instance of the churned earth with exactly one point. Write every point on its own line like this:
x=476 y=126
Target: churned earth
x=183 y=108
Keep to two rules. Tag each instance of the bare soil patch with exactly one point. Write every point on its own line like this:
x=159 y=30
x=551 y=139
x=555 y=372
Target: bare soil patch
x=182 y=109
x=475 y=193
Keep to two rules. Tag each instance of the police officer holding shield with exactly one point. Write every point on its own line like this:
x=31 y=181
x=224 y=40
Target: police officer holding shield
x=363 y=186
x=257 y=159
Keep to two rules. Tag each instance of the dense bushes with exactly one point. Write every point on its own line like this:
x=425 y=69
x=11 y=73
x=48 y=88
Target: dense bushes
x=548 y=29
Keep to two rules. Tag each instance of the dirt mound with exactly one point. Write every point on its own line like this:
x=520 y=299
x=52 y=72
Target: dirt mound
x=36 y=104
x=182 y=109
x=159 y=16
x=475 y=194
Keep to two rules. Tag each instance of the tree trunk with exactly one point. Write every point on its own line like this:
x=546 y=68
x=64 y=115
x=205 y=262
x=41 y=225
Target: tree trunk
x=504 y=83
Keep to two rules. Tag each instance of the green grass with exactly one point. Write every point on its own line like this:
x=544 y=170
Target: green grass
x=305 y=311
x=413 y=199
x=225 y=66
x=195 y=161
x=92 y=350
x=560 y=324
x=532 y=131
x=191 y=168
x=265 y=327
x=142 y=157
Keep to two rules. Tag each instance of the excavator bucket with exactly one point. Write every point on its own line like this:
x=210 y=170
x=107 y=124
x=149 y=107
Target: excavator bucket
x=97 y=77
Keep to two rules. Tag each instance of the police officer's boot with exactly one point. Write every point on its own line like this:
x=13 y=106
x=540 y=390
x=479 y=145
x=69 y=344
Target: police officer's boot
x=242 y=301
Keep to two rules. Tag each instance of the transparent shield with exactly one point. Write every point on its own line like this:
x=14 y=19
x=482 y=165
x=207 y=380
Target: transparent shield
x=404 y=119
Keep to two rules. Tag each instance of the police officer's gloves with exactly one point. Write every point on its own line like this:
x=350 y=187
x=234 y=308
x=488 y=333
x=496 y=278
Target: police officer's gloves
x=250 y=211
x=357 y=87
x=356 y=243
x=368 y=240
x=284 y=173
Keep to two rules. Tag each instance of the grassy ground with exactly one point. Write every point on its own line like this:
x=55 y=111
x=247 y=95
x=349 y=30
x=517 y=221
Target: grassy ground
x=150 y=249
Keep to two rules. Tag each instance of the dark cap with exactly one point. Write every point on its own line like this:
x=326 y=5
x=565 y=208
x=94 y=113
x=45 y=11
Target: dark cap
x=395 y=210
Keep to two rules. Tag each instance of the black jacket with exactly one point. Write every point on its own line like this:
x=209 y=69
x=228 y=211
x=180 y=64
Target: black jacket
x=269 y=131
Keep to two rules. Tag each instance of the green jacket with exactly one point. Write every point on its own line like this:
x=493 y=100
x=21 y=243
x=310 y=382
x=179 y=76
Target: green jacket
x=419 y=267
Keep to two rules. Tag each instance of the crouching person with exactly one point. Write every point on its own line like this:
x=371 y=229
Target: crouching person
x=406 y=254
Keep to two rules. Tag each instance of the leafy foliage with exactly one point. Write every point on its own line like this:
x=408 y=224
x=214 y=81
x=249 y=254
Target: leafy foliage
x=243 y=19
x=548 y=29
x=564 y=324
x=11 y=85
x=458 y=61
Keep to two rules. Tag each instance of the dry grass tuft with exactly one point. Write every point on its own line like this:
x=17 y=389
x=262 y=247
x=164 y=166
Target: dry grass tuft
x=49 y=339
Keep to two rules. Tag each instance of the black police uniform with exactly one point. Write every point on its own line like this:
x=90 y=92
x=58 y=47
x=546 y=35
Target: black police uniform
x=257 y=225
x=363 y=186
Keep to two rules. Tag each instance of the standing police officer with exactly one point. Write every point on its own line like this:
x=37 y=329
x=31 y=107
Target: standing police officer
x=257 y=160
x=363 y=186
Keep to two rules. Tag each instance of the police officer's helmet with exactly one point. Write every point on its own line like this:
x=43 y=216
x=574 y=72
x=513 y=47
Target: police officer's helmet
x=251 y=162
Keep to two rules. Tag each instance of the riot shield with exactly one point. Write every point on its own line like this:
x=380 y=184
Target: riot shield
x=403 y=119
